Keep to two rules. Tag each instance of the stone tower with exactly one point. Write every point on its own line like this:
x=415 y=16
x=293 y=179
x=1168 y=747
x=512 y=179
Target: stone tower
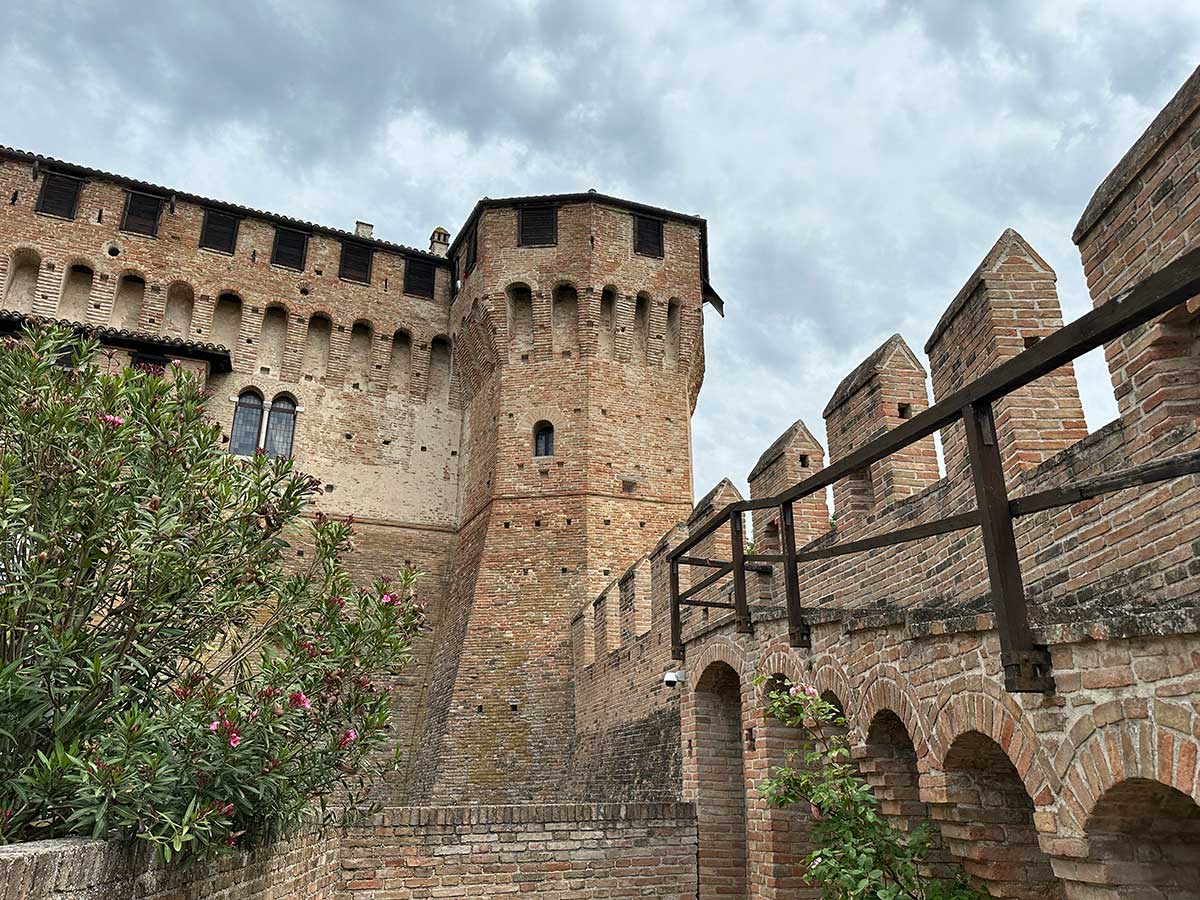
x=578 y=330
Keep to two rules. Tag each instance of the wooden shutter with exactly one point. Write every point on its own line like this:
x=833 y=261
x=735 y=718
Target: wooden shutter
x=418 y=277
x=290 y=248
x=141 y=213
x=647 y=236
x=538 y=226
x=60 y=195
x=472 y=249
x=219 y=232
x=356 y=262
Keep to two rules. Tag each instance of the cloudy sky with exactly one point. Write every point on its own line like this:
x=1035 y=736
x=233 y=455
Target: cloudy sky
x=855 y=160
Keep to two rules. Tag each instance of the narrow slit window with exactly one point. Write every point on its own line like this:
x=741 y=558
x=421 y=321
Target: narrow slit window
x=472 y=250
x=247 y=420
x=356 y=262
x=59 y=196
x=538 y=226
x=281 y=427
x=418 y=277
x=141 y=214
x=647 y=236
x=543 y=439
x=290 y=250
x=219 y=232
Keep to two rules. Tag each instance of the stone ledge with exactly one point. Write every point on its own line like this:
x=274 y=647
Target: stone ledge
x=519 y=814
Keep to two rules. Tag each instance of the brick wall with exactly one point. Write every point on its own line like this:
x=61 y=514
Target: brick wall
x=558 y=852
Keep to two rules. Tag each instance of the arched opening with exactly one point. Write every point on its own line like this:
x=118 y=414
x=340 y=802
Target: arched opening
x=566 y=320
x=890 y=768
x=400 y=363
x=543 y=439
x=247 y=423
x=1143 y=841
x=77 y=293
x=671 y=342
x=520 y=320
x=988 y=823
x=281 y=426
x=127 y=304
x=316 y=347
x=439 y=370
x=358 y=362
x=21 y=289
x=786 y=837
x=721 y=791
x=607 y=337
x=641 y=327
x=272 y=340
x=227 y=321
x=181 y=303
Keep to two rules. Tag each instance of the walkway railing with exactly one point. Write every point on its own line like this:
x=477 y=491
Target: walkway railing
x=1026 y=665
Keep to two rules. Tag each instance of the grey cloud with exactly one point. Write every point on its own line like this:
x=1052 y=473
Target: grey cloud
x=854 y=161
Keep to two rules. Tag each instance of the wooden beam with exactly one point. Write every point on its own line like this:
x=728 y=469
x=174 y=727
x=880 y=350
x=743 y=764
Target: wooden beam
x=737 y=540
x=1026 y=667
x=799 y=633
x=677 y=651
x=1149 y=473
x=710 y=580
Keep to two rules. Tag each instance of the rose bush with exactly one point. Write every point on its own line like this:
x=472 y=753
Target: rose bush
x=171 y=667
x=860 y=854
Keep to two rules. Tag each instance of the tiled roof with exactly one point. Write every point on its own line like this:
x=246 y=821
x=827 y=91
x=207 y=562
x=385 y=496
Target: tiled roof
x=216 y=355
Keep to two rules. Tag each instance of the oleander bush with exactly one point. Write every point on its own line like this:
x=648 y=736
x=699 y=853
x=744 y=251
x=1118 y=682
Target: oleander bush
x=171 y=669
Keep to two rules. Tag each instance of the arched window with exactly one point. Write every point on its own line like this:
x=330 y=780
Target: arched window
x=281 y=426
x=247 y=421
x=543 y=439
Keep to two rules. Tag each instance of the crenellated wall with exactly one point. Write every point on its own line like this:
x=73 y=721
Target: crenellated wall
x=1090 y=791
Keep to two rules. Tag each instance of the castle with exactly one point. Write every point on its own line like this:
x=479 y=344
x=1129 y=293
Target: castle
x=509 y=412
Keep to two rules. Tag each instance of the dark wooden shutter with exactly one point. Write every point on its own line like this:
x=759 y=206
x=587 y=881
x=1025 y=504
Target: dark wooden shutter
x=141 y=213
x=290 y=249
x=538 y=226
x=647 y=236
x=472 y=249
x=60 y=195
x=219 y=232
x=356 y=262
x=418 y=277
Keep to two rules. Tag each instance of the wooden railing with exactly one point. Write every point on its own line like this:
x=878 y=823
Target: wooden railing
x=1026 y=665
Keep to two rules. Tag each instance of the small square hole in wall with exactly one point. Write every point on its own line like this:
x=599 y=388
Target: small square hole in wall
x=512 y=707
x=524 y=571
x=349 y=436
x=424 y=449
x=608 y=521
x=299 y=552
x=568 y=521
x=329 y=488
x=577 y=409
x=387 y=442
x=479 y=708
x=264 y=370
x=566 y=354
x=628 y=487
x=454 y=453
x=308 y=378
x=564 y=570
x=604 y=571
x=520 y=466
x=356 y=386
x=904 y=410
x=508 y=524
x=537 y=523
x=524 y=357
x=641 y=524
x=750 y=738
x=804 y=460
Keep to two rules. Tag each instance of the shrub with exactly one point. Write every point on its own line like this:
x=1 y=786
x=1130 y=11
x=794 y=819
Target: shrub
x=167 y=670
x=860 y=855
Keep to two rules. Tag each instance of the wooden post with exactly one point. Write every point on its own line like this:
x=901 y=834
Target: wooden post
x=737 y=539
x=799 y=634
x=676 y=624
x=1026 y=667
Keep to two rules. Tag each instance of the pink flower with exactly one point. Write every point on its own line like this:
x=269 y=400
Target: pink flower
x=814 y=810
x=387 y=598
x=214 y=725
x=347 y=738
x=794 y=690
x=235 y=739
x=298 y=698
x=810 y=691
x=111 y=421
x=278 y=710
x=227 y=809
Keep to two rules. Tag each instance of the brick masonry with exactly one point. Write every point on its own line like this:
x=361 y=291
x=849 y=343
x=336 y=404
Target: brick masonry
x=541 y=679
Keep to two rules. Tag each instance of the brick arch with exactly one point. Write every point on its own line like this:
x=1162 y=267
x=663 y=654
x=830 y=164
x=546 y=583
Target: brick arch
x=977 y=704
x=1151 y=749
x=721 y=650
x=827 y=674
x=780 y=659
x=886 y=689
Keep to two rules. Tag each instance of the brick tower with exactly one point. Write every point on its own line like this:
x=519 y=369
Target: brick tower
x=578 y=331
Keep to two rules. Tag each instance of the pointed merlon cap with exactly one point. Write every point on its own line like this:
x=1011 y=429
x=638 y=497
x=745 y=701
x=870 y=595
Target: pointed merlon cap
x=880 y=359
x=1165 y=124
x=1008 y=245
x=720 y=496
x=797 y=433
